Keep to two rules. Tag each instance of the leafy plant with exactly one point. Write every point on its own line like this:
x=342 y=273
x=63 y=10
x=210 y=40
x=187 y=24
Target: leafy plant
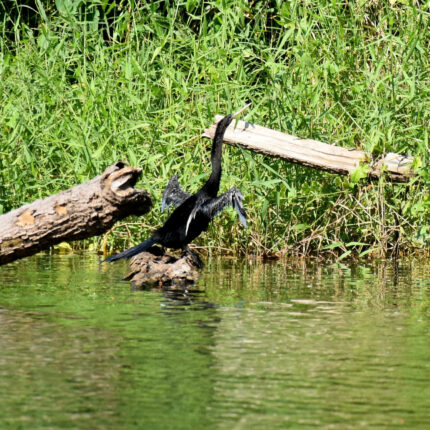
x=85 y=83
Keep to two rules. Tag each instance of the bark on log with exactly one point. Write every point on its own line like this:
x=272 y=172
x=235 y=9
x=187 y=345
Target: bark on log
x=153 y=267
x=312 y=153
x=83 y=211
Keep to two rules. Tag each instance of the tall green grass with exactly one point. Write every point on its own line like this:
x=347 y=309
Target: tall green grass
x=84 y=84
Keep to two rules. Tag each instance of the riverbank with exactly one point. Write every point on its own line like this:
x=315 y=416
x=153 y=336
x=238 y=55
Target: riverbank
x=82 y=88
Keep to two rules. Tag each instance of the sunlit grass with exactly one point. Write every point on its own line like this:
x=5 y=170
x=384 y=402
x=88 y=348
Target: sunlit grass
x=74 y=99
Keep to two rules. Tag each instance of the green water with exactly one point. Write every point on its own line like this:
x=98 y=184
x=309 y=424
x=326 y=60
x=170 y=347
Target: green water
x=252 y=346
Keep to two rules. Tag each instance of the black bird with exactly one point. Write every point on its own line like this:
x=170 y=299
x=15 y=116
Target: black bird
x=193 y=211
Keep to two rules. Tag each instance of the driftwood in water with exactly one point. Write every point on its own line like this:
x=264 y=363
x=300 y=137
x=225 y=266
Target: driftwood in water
x=83 y=211
x=154 y=267
x=312 y=153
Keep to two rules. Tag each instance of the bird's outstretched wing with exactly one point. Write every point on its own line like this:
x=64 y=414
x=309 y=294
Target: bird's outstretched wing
x=232 y=197
x=173 y=194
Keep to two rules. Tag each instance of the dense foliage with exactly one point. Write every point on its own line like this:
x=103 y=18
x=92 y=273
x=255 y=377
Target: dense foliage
x=86 y=83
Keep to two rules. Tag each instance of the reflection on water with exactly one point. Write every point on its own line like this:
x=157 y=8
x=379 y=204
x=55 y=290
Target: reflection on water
x=251 y=346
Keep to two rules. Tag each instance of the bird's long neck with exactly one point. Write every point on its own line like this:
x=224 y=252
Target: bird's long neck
x=215 y=177
x=212 y=185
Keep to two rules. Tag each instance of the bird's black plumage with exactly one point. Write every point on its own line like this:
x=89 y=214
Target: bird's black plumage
x=193 y=211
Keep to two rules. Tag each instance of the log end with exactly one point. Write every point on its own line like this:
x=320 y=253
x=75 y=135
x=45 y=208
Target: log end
x=118 y=183
x=397 y=166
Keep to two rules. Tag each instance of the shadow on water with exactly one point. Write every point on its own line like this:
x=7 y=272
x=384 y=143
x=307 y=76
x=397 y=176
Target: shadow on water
x=250 y=346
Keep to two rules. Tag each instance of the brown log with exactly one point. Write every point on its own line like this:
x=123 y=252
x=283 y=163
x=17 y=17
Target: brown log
x=83 y=211
x=313 y=153
x=153 y=267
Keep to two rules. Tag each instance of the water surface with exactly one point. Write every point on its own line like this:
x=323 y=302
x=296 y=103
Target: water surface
x=279 y=345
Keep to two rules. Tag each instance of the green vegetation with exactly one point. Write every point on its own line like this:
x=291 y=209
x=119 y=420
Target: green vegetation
x=86 y=83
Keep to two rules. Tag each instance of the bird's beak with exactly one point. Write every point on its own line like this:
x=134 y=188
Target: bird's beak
x=236 y=114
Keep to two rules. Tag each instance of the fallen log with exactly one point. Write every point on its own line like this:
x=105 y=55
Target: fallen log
x=313 y=153
x=83 y=211
x=153 y=267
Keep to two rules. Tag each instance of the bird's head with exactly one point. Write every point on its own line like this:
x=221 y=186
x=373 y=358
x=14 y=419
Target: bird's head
x=236 y=114
x=226 y=121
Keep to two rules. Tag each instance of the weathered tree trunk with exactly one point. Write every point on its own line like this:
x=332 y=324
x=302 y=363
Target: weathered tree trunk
x=83 y=211
x=312 y=153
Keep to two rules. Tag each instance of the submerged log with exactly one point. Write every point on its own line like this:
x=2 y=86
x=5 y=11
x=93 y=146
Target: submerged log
x=153 y=267
x=83 y=211
x=313 y=153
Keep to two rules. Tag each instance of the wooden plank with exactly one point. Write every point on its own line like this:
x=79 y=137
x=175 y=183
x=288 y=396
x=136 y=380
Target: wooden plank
x=312 y=153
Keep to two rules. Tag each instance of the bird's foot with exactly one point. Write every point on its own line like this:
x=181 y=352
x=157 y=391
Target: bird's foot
x=195 y=259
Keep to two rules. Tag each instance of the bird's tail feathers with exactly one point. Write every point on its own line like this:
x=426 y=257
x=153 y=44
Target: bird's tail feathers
x=131 y=252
